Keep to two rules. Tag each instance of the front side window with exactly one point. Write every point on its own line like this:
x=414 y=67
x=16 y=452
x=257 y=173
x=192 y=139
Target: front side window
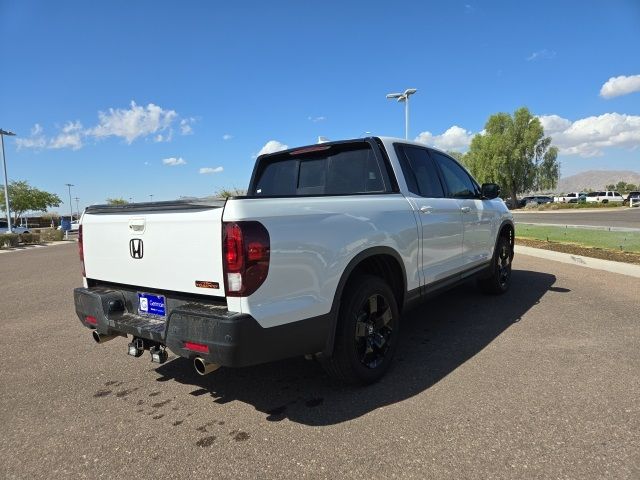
x=459 y=183
x=419 y=171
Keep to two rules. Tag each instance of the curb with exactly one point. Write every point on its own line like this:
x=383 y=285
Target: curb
x=35 y=246
x=586 y=227
x=573 y=210
x=628 y=269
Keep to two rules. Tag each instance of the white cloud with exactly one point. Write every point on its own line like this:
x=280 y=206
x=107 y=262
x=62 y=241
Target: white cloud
x=167 y=137
x=272 y=146
x=37 y=140
x=185 y=126
x=206 y=170
x=227 y=136
x=174 y=161
x=543 y=54
x=69 y=137
x=621 y=85
x=316 y=119
x=587 y=137
x=134 y=122
x=455 y=138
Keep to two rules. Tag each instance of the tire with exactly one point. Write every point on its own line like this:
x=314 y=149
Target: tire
x=500 y=278
x=366 y=333
x=605 y=201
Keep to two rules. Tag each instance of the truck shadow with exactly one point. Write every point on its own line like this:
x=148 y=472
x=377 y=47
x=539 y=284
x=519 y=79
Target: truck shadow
x=436 y=338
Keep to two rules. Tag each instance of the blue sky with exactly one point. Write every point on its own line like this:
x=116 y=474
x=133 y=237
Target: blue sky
x=101 y=93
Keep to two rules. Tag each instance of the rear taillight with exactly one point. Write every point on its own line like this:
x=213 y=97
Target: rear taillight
x=245 y=257
x=81 y=250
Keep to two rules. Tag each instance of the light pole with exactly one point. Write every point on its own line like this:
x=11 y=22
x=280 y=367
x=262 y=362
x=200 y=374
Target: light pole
x=77 y=207
x=404 y=97
x=151 y=197
x=70 y=204
x=6 y=179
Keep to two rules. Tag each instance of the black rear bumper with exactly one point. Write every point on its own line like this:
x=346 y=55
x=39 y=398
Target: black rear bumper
x=233 y=339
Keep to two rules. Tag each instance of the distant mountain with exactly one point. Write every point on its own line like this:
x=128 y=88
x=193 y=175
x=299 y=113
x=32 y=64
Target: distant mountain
x=596 y=180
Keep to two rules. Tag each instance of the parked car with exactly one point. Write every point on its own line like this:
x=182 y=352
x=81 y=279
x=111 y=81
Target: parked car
x=535 y=199
x=607 y=196
x=15 y=229
x=573 y=197
x=75 y=226
x=635 y=196
x=329 y=246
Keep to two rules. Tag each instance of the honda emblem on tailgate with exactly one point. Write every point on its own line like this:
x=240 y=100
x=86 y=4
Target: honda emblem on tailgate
x=136 y=248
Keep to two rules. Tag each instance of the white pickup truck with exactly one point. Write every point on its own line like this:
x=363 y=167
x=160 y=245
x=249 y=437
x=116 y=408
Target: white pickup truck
x=607 y=196
x=573 y=197
x=320 y=258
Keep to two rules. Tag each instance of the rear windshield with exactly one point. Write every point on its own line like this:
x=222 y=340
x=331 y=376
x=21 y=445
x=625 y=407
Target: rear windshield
x=339 y=169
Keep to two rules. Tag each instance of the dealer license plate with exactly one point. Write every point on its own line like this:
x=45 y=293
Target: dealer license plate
x=154 y=305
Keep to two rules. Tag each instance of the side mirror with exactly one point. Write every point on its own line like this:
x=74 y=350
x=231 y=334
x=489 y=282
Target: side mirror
x=490 y=191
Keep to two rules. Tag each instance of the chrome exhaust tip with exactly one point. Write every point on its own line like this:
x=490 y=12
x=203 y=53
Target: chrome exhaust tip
x=100 y=338
x=203 y=367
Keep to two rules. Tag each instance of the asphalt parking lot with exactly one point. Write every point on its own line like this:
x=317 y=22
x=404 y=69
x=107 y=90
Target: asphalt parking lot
x=605 y=217
x=540 y=383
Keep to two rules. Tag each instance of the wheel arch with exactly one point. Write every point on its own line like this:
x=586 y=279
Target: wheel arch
x=507 y=229
x=382 y=261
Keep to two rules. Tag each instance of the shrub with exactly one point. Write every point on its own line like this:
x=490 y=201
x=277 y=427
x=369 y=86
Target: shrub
x=51 y=235
x=30 y=238
x=8 y=240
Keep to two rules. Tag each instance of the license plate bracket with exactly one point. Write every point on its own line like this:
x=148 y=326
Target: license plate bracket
x=152 y=305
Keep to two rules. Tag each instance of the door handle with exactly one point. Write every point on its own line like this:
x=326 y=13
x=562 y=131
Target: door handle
x=426 y=209
x=465 y=209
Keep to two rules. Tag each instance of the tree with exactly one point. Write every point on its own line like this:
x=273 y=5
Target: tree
x=514 y=153
x=457 y=155
x=116 y=201
x=230 y=192
x=548 y=170
x=24 y=198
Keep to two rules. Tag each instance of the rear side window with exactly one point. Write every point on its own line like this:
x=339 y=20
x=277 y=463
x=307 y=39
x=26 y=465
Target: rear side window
x=339 y=169
x=459 y=183
x=419 y=171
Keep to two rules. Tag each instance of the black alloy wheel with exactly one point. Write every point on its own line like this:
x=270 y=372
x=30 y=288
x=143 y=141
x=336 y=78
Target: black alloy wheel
x=374 y=331
x=366 y=332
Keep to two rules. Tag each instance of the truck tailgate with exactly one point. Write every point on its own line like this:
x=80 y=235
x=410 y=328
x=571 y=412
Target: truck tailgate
x=173 y=246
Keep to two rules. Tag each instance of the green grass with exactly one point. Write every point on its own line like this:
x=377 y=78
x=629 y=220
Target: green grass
x=621 y=241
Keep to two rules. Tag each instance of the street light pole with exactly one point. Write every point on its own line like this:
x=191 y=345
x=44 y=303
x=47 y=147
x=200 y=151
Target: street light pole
x=6 y=179
x=70 y=204
x=404 y=97
x=77 y=207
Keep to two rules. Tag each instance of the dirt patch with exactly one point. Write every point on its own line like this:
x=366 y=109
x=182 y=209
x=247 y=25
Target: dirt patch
x=601 y=253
